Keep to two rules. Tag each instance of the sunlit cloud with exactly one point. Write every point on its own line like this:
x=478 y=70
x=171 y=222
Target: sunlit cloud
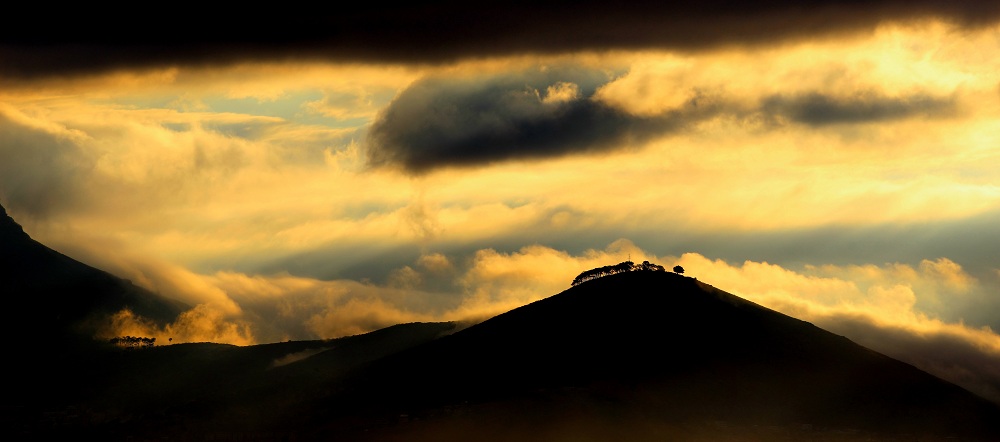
x=893 y=308
x=877 y=306
x=217 y=163
x=200 y=324
x=245 y=187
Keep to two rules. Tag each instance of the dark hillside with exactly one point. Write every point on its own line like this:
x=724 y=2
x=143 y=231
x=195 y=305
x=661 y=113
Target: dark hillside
x=59 y=299
x=654 y=348
x=55 y=305
x=202 y=390
x=639 y=356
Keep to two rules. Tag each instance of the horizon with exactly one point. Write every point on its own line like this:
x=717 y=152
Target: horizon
x=833 y=163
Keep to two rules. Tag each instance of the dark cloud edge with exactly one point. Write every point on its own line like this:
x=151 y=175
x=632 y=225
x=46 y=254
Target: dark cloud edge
x=70 y=42
x=433 y=125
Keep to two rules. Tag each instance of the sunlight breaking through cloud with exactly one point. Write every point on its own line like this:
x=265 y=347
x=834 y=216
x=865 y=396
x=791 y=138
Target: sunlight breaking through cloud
x=839 y=169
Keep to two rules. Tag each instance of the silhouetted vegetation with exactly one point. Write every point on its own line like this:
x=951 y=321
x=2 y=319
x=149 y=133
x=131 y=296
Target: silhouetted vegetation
x=132 y=342
x=622 y=267
x=678 y=270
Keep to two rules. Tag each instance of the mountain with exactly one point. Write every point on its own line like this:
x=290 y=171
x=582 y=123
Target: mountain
x=56 y=299
x=634 y=356
x=195 y=391
x=648 y=354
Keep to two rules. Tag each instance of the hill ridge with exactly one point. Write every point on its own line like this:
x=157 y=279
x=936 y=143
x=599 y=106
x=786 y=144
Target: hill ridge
x=73 y=297
x=10 y=227
x=642 y=353
x=710 y=356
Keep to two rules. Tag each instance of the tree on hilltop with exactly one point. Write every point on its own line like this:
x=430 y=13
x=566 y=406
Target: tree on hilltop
x=622 y=267
x=132 y=342
x=650 y=267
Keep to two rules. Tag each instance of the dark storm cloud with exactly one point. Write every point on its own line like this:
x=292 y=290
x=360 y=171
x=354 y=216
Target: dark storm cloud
x=817 y=109
x=86 y=39
x=442 y=122
x=451 y=122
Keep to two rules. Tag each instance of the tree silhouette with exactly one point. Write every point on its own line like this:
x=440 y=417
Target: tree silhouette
x=648 y=266
x=622 y=267
x=678 y=269
x=132 y=342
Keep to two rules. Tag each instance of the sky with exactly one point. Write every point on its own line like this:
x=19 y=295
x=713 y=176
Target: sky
x=307 y=174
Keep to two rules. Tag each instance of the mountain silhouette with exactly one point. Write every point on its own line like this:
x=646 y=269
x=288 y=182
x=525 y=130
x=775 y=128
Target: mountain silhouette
x=55 y=294
x=634 y=356
x=648 y=350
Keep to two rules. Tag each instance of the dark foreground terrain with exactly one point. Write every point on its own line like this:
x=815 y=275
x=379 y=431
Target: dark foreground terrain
x=634 y=356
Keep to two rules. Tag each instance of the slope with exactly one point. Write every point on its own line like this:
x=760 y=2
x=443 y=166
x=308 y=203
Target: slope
x=56 y=298
x=644 y=348
x=196 y=391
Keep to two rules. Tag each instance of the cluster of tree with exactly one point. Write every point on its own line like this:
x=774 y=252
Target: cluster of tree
x=627 y=266
x=132 y=342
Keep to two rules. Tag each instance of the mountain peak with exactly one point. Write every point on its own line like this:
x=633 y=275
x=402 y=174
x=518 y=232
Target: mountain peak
x=60 y=296
x=9 y=227
x=673 y=349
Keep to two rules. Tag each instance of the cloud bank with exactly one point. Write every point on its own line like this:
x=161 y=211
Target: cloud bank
x=247 y=189
x=550 y=112
x=90 y=40
x=817 y=109
x=886 y=308
x=541 y=113
x=42 y=166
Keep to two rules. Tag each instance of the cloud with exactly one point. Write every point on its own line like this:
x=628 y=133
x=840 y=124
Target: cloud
x=882 y=307
x=358 y=316
x=88 y=168
x=816 y=109
x=441 y=122
x=435 y=263
x=538 y=113
x=878 y=307
x=441 y=31
x=283 y=306
x=203 y=323
x=168 y=279
x=292 y=358
x=495 y=282
x=892 y=308
x=248 y=182
x=212 y=201
x=41 y=164
x=420 y=219
x=246 y=309
x=966 y=356
x=242 y=309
